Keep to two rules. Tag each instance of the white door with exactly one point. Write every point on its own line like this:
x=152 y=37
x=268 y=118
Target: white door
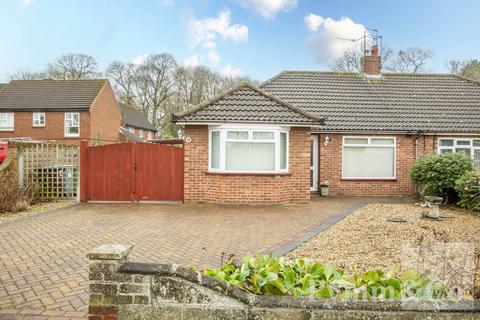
x=314 y=163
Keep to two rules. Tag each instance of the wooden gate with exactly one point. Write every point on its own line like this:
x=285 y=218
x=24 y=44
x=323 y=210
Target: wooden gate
x=131 y=172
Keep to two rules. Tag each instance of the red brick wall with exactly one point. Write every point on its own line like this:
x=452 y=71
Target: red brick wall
x=330 y=162
x=53 y=130
x=106 y=118
x=201 y=186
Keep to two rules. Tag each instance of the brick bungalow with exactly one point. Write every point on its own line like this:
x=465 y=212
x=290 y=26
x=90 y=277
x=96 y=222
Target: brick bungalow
x=62 y=110
x=361 y=132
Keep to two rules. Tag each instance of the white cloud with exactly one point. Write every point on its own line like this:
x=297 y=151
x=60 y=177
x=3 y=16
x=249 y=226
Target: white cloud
x=192 y=61
x=230 y=71
x=25 y=3
x=268 y=8
x=213 y=56
x=206 y=31
x=313 y=21
x=140 y=59
x=327 y=34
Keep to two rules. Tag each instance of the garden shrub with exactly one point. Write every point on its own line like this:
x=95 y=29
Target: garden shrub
x=468 y=188
x=12 y=197
x=275 y=276
x=437 y=174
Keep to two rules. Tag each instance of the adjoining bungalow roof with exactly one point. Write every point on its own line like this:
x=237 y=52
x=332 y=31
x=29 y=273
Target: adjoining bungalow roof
x=396 y=102
x=247 y=103
x=135 y=118
x=50 y=95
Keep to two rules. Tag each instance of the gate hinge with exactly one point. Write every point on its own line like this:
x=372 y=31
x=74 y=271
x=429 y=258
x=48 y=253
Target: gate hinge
x=135 y=166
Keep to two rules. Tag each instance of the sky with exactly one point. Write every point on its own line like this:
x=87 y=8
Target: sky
x=258 y=38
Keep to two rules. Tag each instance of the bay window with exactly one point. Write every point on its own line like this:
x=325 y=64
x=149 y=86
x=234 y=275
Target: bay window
x=262 y=149
x=72 y=124
x=471 y=147
x=369 y=158
x=6 y=121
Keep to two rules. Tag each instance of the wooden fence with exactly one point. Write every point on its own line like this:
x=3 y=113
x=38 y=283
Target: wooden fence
x=51 y=167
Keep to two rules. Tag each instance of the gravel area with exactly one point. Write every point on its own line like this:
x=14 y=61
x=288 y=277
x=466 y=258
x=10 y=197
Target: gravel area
x=34 y=209
x=366 y=240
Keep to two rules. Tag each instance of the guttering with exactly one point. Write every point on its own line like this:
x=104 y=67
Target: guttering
x=411 y=132
x=210 y=123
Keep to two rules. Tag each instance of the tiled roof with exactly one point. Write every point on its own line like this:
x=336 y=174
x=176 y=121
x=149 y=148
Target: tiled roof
x=135 y=118
x=397 y=102
x=50 y=95
x=247 y=103
x=3 y=86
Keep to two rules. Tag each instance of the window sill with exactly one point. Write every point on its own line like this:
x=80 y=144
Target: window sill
x=72 y=137
x=368 y=179
x=270 y=174
x=7 y=130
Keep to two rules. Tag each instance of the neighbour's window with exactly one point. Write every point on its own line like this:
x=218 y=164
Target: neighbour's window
x=72 y=124
x=132 y=130
x=249 y=150
x=140 y=134
x=39 y=119
x=6 y=121
x=368 y=157
x=471 y=147
x=150 y=136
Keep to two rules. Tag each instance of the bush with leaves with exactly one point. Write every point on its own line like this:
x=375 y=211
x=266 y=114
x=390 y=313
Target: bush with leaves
x=437 y=174
x=275 y=276
x=468 y=188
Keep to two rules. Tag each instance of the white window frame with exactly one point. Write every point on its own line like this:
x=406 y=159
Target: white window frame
x=140 y=133
x=149 y=135
x=455 y=145
x=223 y=129
x=8 y=115
x=131 y=130
x=67 y=134
x=369 y=144
x=39 y=114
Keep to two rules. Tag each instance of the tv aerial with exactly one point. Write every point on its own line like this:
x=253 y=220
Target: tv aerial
x=373 y=35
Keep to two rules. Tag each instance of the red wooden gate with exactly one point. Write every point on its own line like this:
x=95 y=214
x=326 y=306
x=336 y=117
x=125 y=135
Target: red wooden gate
x=131 y=172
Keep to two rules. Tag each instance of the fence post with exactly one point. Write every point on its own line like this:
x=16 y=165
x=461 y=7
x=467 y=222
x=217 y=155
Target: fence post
x=83 y=170
x=21 y=169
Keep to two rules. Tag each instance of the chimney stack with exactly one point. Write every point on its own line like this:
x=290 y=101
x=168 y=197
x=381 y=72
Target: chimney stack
x=372 y=64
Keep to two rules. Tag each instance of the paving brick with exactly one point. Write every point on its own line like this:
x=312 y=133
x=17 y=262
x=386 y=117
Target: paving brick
x=54 y=245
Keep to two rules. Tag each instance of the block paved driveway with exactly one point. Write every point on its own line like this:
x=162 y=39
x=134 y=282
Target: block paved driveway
x=43 y=265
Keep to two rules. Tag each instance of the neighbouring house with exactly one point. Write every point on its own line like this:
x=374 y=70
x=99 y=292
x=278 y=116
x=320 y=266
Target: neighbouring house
x=62 y=110
x=136 y=123
x=361 y=132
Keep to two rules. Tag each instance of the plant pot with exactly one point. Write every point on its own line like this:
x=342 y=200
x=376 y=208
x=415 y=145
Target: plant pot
x=324 y=191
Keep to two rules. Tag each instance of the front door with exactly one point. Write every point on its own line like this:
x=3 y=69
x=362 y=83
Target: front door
x=314 y=163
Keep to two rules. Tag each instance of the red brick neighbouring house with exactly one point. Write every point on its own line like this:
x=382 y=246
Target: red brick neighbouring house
x=62 y=110
x=136 y=123
x=360 y=132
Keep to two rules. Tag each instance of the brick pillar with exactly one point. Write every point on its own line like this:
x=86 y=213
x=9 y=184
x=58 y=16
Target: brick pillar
x=109 y=287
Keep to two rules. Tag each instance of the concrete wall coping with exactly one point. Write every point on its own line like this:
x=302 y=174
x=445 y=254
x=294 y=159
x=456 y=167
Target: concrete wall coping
x=110 y=252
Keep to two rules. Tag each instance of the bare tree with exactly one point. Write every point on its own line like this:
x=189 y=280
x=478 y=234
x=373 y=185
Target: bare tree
x=73 y=66
x=410 y=60
x=350 y=61
x=122 y=76
x=28 y=75
x=471 y=70
x=455 y=66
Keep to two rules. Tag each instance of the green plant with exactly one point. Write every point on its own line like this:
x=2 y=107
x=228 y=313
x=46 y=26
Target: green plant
x=275 y=276
x=12 y=197
x=468 y=188
x=437 y=174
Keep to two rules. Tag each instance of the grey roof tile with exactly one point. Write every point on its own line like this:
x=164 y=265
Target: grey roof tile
x=50 y=95
x=135 y=118
x=247 y=103
x=397 y=102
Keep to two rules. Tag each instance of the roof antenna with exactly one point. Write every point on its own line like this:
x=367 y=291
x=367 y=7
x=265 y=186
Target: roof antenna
x=373 y=35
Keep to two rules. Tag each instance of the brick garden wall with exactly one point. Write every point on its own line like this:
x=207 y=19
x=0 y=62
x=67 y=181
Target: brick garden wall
x=202 y=186
x=130 y=290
